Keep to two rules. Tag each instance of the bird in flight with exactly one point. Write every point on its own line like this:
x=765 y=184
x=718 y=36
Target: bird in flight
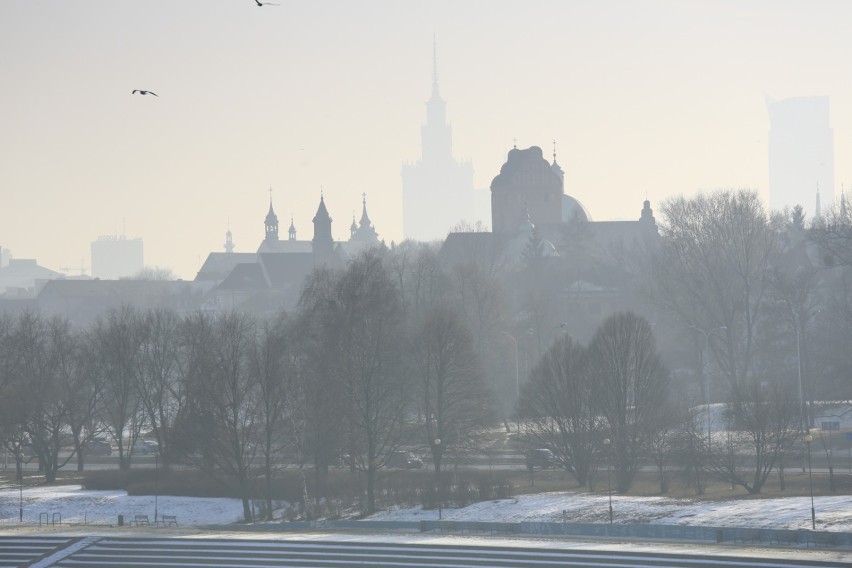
x=141 y=92
x=259 y=3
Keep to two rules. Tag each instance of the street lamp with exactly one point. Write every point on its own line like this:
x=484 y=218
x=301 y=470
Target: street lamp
x=21 y=495
x=808 y=440
x=156 y=483
x=517 y=370
x=517 y=376
x=608 y=486
x=437 y=443
x=706 y=376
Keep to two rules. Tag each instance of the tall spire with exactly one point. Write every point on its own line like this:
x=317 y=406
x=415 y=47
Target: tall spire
x=229 y=240
x=271 y=221
x=434 y=66
x=556 y=168
x=323 y=243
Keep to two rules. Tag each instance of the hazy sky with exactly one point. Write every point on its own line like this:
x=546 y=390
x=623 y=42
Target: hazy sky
x=663 y=97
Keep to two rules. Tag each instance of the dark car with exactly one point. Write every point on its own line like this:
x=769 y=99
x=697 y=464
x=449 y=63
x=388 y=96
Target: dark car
x=404 y=460
x=97 y=448
x=541 y=458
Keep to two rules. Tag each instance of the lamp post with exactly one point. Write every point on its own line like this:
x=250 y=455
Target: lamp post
x=437 y=443
x=706 y=376
x=517 y=375
x=808 y=440
x=21 y=496
x=517 y=369
x=156 y=483
x=608 y=486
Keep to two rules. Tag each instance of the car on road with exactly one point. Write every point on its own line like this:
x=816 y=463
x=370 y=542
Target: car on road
x=403 y=460
x=97 y=447
x=143 y=447
x=540 y=458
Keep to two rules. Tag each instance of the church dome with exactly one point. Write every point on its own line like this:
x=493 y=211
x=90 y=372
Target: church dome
x=573 y=210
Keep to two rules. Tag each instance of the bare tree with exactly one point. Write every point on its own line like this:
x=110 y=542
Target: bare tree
x=117 y=339
x=223 y=417
x=81 y=391
x=320 y=432
x=12 y=413
x=631 y=388
x=451 y=392
x=712 y=271
x=560 y=408
x=271 y=365
x=157 y=378
x=368 y=315
x=763 y=425
x=43 y=357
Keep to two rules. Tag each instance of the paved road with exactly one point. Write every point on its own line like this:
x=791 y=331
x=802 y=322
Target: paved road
x=103 y=552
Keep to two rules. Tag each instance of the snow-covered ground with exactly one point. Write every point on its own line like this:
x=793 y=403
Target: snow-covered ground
x=78 y=506
x=833 y=513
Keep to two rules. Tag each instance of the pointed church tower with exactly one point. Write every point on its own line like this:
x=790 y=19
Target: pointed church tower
x=323 y=243
x=365 y=232
x=229 y=242
x=291 y=232
x=271 y=221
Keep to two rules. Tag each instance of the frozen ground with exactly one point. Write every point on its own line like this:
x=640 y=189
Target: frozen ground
x=79 y=506
x=833 y=513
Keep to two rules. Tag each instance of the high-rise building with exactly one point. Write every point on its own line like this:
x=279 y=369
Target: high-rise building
x=437 y=191
x=801 y=152
x=115 y=257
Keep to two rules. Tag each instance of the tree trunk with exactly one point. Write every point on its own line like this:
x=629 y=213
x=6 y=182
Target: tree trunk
x=371 y=483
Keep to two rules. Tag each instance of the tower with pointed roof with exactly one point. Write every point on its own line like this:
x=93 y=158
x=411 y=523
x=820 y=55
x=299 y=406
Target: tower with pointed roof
x=229 y=242
x=437 y=191
x=364 y=232
x=271 y=222
x=291 y=232
x=323 y=243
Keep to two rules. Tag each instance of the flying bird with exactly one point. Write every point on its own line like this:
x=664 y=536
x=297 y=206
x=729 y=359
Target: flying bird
x=259 y=3
x=141 y=92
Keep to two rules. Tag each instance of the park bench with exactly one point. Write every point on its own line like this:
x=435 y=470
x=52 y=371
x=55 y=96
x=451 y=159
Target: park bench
x=168 y=520
x=141 y=520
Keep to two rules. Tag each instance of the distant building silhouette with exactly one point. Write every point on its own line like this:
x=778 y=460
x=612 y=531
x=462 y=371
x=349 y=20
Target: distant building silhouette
x=272 y=277
x=437 y=191
x=561 y=268
x=115 y=257
x=801 y=152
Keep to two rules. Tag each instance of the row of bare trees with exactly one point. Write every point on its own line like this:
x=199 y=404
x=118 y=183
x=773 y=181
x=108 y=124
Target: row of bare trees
x=358 y=369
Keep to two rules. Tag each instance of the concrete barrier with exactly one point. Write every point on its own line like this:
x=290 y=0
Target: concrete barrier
x=632 y=531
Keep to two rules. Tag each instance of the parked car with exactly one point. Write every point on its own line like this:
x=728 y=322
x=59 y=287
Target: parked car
x=541 y=458
x=97 y=447
x=141 y=447
x=403 y=460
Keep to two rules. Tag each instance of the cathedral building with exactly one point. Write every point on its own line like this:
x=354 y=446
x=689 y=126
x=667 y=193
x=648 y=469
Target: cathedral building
x=561 y=268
